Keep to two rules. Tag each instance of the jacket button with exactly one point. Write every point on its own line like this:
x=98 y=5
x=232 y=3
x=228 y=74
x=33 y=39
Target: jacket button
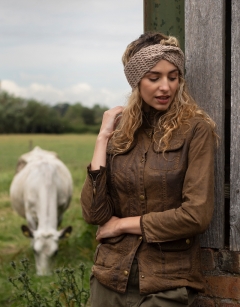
x=140 y=238
x=142 y=276
x=142 y=197
x=188 y=241
x=125 y=273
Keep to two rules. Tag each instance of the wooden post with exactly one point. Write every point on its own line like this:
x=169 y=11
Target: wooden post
x=166 y=16
x=205 y=75
x=235 y=131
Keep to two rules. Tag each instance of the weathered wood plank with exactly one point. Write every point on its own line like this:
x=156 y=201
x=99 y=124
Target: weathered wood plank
x=166 y=16
x=235 y=131
x=205 y=74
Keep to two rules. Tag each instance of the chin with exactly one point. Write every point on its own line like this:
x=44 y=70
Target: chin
x=161 y=108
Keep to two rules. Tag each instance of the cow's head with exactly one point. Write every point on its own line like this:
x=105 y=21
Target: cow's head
x=45 y=246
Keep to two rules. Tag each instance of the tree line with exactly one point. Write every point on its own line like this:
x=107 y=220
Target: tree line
x=19 y=115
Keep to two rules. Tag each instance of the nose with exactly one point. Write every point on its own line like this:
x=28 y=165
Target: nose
x=164 y=85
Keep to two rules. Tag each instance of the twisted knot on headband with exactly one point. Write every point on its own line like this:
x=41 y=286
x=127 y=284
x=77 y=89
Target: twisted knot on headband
x=148 y=57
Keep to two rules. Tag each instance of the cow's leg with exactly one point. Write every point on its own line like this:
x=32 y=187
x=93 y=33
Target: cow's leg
x=61 y=210
x=32 y=223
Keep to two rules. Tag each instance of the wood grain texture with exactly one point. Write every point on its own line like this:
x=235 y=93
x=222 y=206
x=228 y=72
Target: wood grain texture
x=235 y=131
x=205 y=75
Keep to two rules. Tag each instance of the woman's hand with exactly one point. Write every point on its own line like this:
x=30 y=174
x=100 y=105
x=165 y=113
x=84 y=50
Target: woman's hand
x=109 y=229
x=109 y=121
x=117 y=226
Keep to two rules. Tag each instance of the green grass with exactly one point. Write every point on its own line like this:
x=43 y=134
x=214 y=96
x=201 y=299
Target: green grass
x=76 y=152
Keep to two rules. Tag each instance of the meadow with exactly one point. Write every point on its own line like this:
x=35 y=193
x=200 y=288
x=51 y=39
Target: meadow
x=76 y=152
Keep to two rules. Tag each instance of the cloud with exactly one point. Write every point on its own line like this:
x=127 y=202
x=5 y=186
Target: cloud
x=50 y=48
x=60 y=20
x=81 y=92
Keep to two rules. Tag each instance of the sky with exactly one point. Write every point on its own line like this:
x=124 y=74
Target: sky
x=67 y=50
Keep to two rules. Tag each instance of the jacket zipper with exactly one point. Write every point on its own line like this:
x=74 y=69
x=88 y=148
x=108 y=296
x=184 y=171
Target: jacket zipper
x=94 y=183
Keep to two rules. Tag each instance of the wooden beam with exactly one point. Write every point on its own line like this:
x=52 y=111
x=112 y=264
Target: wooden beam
x=166 y=16
x=235 y=131
x=205 y=75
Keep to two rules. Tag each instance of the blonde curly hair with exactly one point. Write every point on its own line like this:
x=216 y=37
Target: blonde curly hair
x=182 y=108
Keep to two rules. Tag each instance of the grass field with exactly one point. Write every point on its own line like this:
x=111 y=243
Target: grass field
x=76 y=152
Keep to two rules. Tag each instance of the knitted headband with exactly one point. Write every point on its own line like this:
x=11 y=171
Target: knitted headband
x=148 y=57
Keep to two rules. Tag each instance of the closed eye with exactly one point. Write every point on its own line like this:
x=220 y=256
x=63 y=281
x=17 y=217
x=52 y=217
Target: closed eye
x=153 y=79
x=172 y=78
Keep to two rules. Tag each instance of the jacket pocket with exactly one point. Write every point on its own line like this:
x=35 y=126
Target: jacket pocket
x=177 y=245
x=172 y=258
x=113 y=240
x=108 y=252
x=167 y=161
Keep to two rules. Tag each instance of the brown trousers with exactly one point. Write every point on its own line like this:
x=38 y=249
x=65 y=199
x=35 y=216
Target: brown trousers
x=104 y=297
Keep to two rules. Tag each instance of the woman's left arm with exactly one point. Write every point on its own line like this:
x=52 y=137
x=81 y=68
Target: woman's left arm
x=195 y=213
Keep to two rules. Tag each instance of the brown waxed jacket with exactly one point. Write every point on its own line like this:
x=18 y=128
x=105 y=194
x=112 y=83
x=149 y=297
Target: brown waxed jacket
x=174 y=195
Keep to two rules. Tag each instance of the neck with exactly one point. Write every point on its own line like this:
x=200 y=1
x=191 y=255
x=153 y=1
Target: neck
x=150 y=116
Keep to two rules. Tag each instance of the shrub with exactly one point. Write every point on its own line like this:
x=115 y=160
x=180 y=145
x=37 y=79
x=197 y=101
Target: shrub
x=65 y=291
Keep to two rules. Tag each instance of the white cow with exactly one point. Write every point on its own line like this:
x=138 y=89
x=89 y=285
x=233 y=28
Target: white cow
x=40 y=192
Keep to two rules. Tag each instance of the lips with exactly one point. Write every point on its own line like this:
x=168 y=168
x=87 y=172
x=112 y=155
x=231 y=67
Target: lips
x=163 y=99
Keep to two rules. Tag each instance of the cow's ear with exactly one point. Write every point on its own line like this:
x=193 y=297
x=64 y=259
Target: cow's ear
x=65 y=233
x=27 y=231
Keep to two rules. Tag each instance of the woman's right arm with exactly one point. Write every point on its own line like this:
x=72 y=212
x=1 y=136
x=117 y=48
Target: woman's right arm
x=96 y=205
x=106 y=130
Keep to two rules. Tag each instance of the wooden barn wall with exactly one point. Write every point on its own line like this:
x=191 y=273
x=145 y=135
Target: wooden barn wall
x=205 y=75
x=235 y=131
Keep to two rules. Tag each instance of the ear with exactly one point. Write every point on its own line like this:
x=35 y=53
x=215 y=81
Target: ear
x=65 y=233
x=27 y=231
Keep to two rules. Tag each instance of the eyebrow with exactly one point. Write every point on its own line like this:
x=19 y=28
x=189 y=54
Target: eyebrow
x=158 y=73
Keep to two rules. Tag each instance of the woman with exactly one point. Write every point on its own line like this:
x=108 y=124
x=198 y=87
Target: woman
x=150 y=184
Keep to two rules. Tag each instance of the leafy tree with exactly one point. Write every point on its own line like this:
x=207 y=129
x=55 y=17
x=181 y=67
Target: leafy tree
x=61 y=108
x=18 y=115
x=12 y=118
x=74 y=113
x=42 y=118
x=88 y=116
x=98 y=111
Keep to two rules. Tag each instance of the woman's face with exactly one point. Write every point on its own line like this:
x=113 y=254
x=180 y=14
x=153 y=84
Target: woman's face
x=158 y=86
